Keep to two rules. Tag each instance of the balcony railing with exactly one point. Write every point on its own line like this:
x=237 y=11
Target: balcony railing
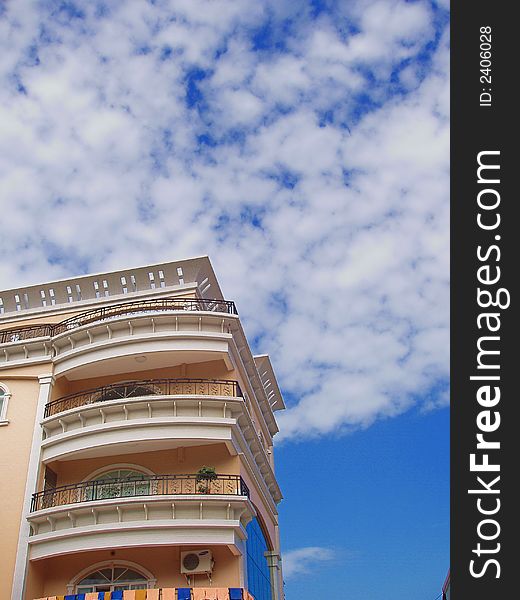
x=18 y=334
x=144 y=387
x=157 y=485
x=211 y=592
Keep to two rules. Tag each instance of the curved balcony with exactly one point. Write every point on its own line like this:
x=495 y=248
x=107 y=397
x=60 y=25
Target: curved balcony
x=156 y=485
x=144 y=387
x=18 y=334
x=155 y=510
x=241 y=593
x=147 y=326
x=167 y=412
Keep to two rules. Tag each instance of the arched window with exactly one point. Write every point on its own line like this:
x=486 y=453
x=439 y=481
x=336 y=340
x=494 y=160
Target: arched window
x=119 y=483
x=4 y=399
x=112 y=577
x=130 y=390
x=258 y=577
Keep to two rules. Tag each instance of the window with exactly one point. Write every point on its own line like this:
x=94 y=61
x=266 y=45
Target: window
x=258 y=578
x=4 y=400
x=112 y=578
x=119 y=483
x=125 y=391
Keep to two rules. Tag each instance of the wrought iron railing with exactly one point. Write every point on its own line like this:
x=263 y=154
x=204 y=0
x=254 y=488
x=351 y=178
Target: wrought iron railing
x=156 y=485
x=16 y=334
x=144 y=387
x=234 y=592
x=29 y=332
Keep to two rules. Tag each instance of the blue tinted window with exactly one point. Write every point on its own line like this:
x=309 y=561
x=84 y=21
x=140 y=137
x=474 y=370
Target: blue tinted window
x=259 y=582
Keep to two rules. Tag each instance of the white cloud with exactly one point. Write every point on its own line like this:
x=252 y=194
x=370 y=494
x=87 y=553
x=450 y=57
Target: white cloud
x=304 y=560
x=316 y=182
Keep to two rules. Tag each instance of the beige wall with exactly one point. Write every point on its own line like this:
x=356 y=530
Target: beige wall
x=50 y=577
x=163 y=462
x=17 y=322
x=207 y=370
x=15 y=448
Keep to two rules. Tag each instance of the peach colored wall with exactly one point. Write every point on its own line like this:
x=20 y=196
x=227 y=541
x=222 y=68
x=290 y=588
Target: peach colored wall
x=161 y=462
x=60 y=388
x=208 y=370
x=56 y=318
x=51 y=576
x=15 y=447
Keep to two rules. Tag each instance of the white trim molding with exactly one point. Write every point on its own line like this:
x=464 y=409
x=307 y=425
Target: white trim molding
x=6 y=395
x=22 y=555
x=137 y=534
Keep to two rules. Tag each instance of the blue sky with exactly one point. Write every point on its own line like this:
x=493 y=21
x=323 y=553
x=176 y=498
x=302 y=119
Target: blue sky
x=304 y=146
x=378 y=526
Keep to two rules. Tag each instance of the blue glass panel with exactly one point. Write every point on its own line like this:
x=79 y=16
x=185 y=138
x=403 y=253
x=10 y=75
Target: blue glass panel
x=259 y=582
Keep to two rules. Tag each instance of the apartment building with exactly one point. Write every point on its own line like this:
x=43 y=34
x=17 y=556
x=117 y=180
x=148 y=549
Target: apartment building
x=136 y=435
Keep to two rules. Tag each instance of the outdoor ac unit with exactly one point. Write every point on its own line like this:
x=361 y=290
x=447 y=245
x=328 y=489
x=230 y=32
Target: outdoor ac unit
x=198 y=561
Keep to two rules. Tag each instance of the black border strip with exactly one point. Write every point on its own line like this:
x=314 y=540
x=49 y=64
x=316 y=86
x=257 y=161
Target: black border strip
x=482 y=123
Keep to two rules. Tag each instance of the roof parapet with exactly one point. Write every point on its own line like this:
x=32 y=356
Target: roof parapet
x=268 y=379
x=114 y=284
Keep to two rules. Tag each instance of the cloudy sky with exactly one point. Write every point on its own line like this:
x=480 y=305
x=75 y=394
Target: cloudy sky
x=302 y=145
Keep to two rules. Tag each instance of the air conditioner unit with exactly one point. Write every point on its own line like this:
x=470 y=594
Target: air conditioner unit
x=198 y=561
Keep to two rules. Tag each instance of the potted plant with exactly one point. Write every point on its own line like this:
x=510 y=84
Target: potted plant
x=205 y=475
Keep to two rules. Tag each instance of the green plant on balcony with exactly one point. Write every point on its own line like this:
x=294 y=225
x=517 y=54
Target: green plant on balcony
x=205 y=475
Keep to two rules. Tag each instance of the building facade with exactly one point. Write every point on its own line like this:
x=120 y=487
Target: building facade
x=136 y=435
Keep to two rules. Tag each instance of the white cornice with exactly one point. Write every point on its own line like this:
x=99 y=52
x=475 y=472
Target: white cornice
x=249 y=366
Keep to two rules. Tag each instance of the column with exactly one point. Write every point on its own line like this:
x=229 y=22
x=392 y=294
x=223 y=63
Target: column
x=46 y=382
x=274 y=562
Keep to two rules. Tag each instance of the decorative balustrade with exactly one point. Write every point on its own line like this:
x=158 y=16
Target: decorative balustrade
x=210 y=593
x=18 y=334
x=144 y=387
x=156 y=485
